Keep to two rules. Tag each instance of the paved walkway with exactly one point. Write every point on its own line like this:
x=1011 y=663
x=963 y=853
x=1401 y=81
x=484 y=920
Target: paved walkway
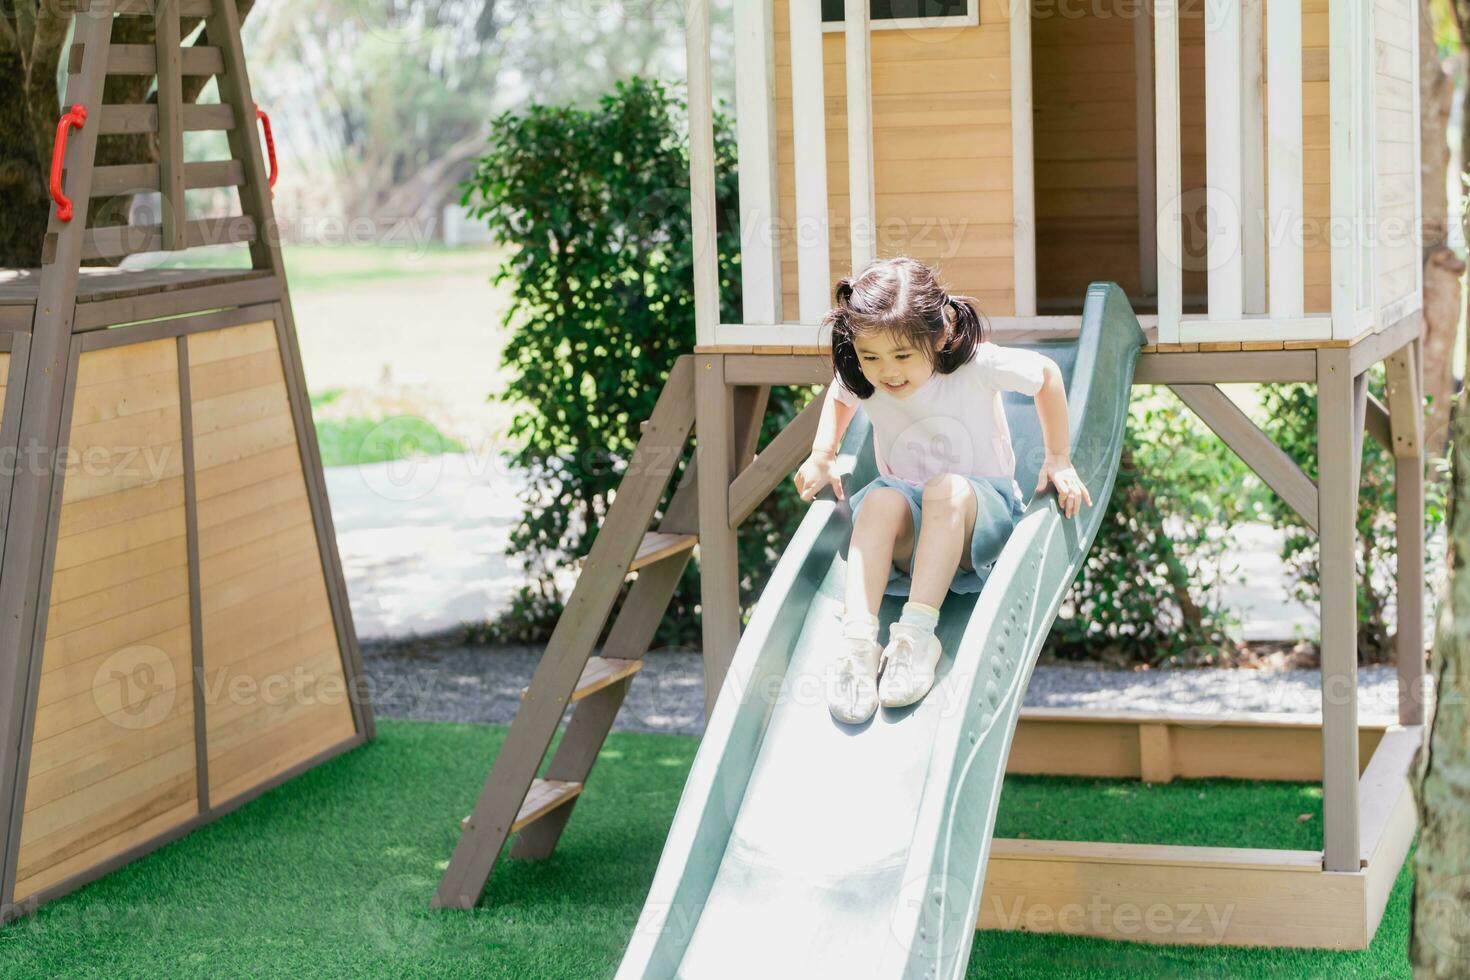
x=423 y=548
x=667 y=695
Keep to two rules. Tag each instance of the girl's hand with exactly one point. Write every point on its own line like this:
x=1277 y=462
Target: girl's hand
x=1071 y=491
x=816 y=473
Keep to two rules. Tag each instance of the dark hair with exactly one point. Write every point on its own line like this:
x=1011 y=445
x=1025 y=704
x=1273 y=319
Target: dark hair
x=902 y=296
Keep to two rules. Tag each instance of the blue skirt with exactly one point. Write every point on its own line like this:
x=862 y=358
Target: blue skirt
x=997 y=509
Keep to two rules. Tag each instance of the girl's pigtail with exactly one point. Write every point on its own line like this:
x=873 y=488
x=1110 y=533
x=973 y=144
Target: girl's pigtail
x=844 y=354
x=970 y=329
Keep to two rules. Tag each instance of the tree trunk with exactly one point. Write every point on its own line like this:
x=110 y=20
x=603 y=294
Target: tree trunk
x=1440 y=946
x=23 y=200
x=1442 y=267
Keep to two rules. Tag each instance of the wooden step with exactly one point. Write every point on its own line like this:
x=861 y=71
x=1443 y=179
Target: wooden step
x=545 y=795
x=599 y=673
x=655 y=547
x=658 y=545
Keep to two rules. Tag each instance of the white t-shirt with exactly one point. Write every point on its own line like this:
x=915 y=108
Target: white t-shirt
x=952 y=423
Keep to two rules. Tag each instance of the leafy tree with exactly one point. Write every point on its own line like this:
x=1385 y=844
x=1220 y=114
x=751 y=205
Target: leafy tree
x=595 y=206
x=1148 y=592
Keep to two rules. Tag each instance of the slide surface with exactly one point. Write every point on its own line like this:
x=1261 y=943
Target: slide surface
x=803 y=847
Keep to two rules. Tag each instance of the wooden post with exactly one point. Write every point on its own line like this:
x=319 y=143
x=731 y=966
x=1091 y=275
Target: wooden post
x=1337 y=529
x=1167 y=166
x=1406 y=421
x=719 y=570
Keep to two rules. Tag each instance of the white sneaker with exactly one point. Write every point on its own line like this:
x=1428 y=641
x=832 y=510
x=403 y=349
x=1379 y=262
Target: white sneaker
x=851 y=680
x=910 y=659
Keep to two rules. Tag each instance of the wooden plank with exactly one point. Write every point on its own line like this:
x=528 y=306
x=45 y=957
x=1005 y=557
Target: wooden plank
x=115 y=120
x=1168 y=168
x=1223 y=88
x=1155 y=754
x=34 y=498
x=170 y=122
x=719 y=569
x=246 y=292
x=135 y=178
x=120 y=240
x=862 y=187
x=1023 y=168
x=1387 y=774
x=774 y=463
x=809 y=118
x=1337 y=509
x=1235 y=897
x=545 y=795
x=1406 y=420
x=702 y=170
x=1284 y=69
x=146 y=8
x=142 y=59
x=755 y=87
x=599 y=673
x=191 y=543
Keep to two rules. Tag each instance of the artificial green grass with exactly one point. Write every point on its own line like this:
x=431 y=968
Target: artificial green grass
x=331 y=875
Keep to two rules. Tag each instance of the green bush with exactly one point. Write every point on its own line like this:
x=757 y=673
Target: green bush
x=1290 y=412
x=1149 y=590
x=594 y=204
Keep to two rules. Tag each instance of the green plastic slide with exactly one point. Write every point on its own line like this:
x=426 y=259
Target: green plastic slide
x=803 y=847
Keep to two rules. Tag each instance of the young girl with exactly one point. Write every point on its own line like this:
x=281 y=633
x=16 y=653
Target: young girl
x=920 y=362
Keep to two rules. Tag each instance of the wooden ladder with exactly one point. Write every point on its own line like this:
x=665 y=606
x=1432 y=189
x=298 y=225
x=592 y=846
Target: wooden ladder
x=514 y=799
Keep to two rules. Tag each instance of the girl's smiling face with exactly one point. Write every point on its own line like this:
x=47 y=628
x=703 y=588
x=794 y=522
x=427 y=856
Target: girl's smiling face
x=892 y=364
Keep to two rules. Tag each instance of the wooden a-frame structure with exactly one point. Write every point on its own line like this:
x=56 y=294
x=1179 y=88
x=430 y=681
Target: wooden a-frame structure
x=173 y=617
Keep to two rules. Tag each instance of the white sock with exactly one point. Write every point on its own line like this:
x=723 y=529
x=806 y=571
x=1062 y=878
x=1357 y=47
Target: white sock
x=918 y=614
x=860 y=624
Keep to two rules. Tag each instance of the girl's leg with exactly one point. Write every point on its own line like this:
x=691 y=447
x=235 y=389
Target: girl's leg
x=948 y=510
x=883 y=526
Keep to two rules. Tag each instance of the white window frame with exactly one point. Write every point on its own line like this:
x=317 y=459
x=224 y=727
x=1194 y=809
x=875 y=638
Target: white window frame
x=970 y=18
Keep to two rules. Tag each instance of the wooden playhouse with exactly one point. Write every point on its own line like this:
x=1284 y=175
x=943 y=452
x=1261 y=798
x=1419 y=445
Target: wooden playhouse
x=174 y=624
x=1247 y=171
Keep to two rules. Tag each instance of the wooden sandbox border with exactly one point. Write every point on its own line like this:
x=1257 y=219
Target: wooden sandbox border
x=1163 y=893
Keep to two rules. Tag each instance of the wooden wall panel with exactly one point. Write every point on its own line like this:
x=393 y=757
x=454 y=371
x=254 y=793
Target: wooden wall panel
x=942 y=151
x=1398 y=253
x=112 y=761
x=274 y=689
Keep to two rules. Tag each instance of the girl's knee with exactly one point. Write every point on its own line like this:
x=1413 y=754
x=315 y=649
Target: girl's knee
x=882 y=503
x=948 y=492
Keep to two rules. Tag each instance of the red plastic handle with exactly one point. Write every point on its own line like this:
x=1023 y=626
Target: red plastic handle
x=270 y=144
x=75 y=116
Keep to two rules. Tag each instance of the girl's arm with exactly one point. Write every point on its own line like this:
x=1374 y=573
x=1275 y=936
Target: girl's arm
x=831 y=425
x=816 y=472
x=1051 y=410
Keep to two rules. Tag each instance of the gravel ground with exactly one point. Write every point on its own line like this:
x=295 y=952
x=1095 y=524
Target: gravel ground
x=480 y=684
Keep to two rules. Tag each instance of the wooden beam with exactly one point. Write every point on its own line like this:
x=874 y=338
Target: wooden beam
x=862 y=185
x=755 y=119
x=1406 y=421
x=1224 y=165
x=1168 y=167
x=719 y=563
x=809 y=124
x=1279 y=471
x=1284 y=69
x=1337 y=531
x=1253 y=213
x=170 y=96
x=784 y=453
x=703 y=204
x=1023 y=165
